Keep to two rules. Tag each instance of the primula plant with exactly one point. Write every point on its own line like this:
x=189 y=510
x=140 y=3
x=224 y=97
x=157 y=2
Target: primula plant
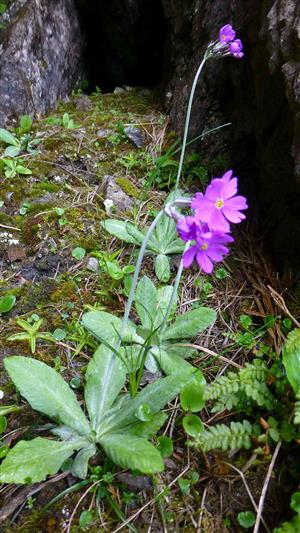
x=113 y=422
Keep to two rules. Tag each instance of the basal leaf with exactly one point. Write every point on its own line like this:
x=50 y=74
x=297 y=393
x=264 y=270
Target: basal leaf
x=146 y=302
x=32 y=461
x=104 y=326
x=105 y=378
x=157 y=395
x=291 y=359
x=46 y=391
x=12 y=151
x=174 y=364
x=118 y=228
x=163 y=299
x=81 y=461
x=8 y=138
x=190 y=324
x=146 y=430
x=175 y=247
x=162 y=267
x=132 y=452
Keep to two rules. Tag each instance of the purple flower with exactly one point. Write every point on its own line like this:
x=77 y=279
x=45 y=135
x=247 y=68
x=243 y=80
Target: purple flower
x=209 y=248
x=236 y=48
x=209 y=245
x=219 y=204
x=188 y=228
x=226 y=34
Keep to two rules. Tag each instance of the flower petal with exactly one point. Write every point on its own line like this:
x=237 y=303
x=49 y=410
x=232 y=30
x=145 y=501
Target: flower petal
x=204 y=262
x=188 y=256
x=229 y=189
x=233 y=216
x=236 y=203
x=218 y=222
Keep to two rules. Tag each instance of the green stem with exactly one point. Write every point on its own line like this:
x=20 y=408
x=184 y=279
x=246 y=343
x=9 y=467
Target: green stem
x=188 y=116
x=174 y=292
x=136 y=275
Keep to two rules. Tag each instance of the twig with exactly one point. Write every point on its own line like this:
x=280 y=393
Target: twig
x=248 y=492
x=9 y=227
x=132 y=517
x=210 y=352
x=281 y=304
x=265 y=488
x=201 y=510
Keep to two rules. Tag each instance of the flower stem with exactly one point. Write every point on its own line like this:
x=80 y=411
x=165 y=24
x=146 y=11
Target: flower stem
x=136 y=275
x=188 y=116
x=174 y=292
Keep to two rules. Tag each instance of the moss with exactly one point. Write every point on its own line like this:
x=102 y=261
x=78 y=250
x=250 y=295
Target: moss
x=128 y=187
x=66 y=291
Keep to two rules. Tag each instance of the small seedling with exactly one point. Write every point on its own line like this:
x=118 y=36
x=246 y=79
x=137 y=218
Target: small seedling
x=31 y=333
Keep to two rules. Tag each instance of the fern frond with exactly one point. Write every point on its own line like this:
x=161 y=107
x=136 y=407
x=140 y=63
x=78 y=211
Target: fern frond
x=235 y=436
x=228 y=391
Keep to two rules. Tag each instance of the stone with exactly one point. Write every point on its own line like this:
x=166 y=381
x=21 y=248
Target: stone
x=259 y=95
x=41 y=47
x=113 y=192
x=92 y=264
x=135 y=135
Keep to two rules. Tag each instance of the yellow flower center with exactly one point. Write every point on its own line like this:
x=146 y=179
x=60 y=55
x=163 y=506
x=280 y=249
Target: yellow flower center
x=219 y=203
x=204 y=246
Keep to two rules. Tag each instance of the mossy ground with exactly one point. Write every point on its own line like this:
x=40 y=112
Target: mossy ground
x=61 y=205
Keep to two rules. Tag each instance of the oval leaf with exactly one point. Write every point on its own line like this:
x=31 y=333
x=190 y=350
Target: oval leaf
x=192 y=425
x=118 y=228
x=104 y=326
x=32 y=461
x=46 y=391
x=8 y=138
x=191 y=398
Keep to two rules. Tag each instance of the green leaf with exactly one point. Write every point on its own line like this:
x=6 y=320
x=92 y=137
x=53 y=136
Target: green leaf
x=86 y=519
x=192 y=425
x=81 y=461
x=8 y=138
x=162 y=268
x=3 y=424
x=191 y=398
x=23 y=170
x=146 y=302
x=105 y=378
x=59 y=334
x=174 y=364
x=78 y=253
x=7 y=303
x=132 y=452
x=144 y=413
x=295 y=502
x=119 y=229
x=184 y=485
x=25 y=122
x=32 y=461
x=190 y=324
x=165 y=446
x=147 y=430
x=246 y=519
x=157 y=395
x=104 y=326
x=12 y=151
x=291 y=359
x=46 y=391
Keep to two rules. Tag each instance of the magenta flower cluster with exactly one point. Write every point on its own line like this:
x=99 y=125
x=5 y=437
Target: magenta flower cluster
x=227 y=37
x=209 y=227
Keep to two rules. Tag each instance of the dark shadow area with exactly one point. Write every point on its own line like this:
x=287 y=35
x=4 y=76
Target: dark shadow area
x=124 y=42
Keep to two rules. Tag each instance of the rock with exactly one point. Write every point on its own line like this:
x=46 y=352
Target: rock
x=259 y=95
x=135 y=135
x=92 y=264
x=119 y=90
x=41 y=56
x=113 y=192
x=83 y=103
x=104 y=133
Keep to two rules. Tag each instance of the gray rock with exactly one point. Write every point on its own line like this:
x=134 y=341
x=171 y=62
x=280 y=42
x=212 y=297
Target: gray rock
x=113 y=192
x=135 y=135
x=93 y=264
x=104 y=133
x=40 y=56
